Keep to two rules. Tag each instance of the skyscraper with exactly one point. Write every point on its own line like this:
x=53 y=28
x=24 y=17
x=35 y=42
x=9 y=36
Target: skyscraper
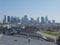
x=25 y=20
x=46 y=19
x=15 y=20
x=42 y=20
x=32 y=21
x=37 y=20
x=53 y=21
x=49 y=21
x=18 y=20
x=4 y=20
x=11 y=19
x=8 y=19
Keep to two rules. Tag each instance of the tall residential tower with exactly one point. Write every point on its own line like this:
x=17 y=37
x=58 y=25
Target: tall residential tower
x=4 y=20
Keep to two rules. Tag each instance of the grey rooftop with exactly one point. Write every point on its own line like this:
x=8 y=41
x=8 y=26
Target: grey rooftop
x=12 y=40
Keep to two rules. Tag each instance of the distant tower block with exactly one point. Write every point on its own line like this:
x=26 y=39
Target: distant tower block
x=53 y=21
x=46 y=19
x=4 y=20
x=42 y=20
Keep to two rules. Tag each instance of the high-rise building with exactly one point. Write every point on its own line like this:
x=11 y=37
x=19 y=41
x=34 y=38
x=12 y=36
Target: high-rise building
x=46 y=19
x=49 y=21
x=18 y=20
x=25 y=20
x=11 y=19
x=8 y=19
x=15 y=20
x=4 y=20
x=42 y=20
x=32 y=21
x=53 y=21
x=37 y=20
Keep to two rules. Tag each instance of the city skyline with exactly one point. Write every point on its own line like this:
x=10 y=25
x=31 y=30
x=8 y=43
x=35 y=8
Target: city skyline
x=26 y=20
x=32 y=8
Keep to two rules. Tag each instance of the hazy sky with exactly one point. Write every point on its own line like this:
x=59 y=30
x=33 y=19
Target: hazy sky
x=32 y=8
